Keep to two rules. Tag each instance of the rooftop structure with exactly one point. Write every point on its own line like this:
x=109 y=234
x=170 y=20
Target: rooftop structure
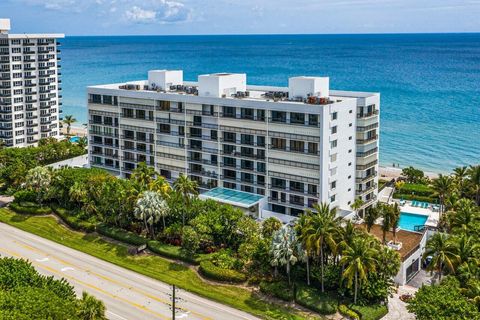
x=29 y=87
x=294 y=146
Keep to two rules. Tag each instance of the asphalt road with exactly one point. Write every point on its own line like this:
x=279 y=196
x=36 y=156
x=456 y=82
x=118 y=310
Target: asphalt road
x=126 y=294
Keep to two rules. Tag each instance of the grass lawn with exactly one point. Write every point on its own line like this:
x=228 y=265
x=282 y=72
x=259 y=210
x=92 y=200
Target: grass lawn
x=152 y=266
x=375 y=312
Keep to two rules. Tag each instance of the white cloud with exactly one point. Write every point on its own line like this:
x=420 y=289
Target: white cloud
x=139 y=15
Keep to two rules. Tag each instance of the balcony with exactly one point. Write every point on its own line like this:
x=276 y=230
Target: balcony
x=366 y=178
x=367 y=115
x=367 y=140
x=30 y=85
x=366 y=189
x=31 y=101
x=29 y=60
x=46 y=129
x=367 y=153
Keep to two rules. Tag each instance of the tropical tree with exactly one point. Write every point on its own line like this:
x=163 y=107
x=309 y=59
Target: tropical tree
x=464 y=213
x=442 y=250
x=149 y=209
x=443 y=186
x=82 y=142
x=185 y=187
x=69 y=120
x=270 y=225
x=2 y=144
x=466 y=249
x=161 y=185
x=38 y=179
x=300 y=225
x=320 y=232
x=90 y=308
x=142 y=176
x=394 y=220
x=283 y=249
x=385 y=212
x=460 y=178
x=474 y=178
x=357 y=204
x=371 y=215
x=358 y=259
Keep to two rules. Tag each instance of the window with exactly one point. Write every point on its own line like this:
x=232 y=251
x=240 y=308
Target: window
x=278 y=143
x=261 y=180
x=207 y=109
x=229 y=149
x=247 y=113
x=247 y=165
x=214 y=159
x=97 y=119
x=297 y=118
x=127 y=113
x=313 y=120
x=334 y=129
x=312 y=189
x=333 y=144
x=261 y=115
x=350 y=151
x=261 y=141
x=334 y=116
x=164 y=128
x=229 y=162
x=350 y=111
x=229 y=137
x=333 y=185
x=196 y=132
x=313 y=148
x=279 y=183
x=247 y=139
x=297 y=146
x=107 y=99
x=279 y=116
x=350 y=124
x=164 y=105
x=350 y=138
x=261 y=167
x=230 y=174
x=332 y=198
x=214 y=135
x=296 y=186
x=229 y=112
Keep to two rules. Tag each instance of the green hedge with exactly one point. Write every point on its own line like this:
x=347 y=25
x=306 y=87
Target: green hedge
x=417 y=189
x=279 y=289
x=211 y=271
x=315 y=300
x=73 y=221
x=347 y=312
x=397 y=195
x=371 y=312
x=172 y=252
x=29 y=208
x=121 y=235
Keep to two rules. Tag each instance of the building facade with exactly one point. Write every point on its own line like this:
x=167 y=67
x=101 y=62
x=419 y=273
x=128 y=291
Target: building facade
x=295 y=145
x=29 y=87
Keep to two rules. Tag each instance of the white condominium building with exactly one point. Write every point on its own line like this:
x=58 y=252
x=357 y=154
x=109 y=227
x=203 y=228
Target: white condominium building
x=272 y=151
x=29 y=87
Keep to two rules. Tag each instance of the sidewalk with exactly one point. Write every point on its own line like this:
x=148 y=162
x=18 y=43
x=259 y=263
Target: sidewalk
x=397 y=309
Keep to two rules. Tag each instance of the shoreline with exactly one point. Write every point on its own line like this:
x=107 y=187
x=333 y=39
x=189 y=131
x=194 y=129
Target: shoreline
x=388 y=173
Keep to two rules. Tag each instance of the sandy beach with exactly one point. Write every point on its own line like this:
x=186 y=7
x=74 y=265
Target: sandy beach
x=75 y=131
x=388 y=173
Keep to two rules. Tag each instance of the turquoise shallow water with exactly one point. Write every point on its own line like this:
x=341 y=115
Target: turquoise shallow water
x=430 y=83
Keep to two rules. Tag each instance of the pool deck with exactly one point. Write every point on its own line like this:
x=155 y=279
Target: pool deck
x=433 y=217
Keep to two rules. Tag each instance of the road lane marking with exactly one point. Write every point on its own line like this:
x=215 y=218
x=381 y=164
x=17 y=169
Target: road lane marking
x=116 y=315
x=168 y=303
x=42 y=260
x=139 y=306
x=67 y=269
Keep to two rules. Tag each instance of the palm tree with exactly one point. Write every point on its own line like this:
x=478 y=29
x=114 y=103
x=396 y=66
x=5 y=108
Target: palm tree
x=161 y=185
x=283 y=249
x=82 y=142
x=460 y=175
x=442 y=250
x=463 y=215
x=38 y=179
x=321 y=231
x=357 y=204
x=466 y=249
x=371 y=215
x=300 y=226
x=2 y=144
x=474 y=178
x=150 y=207
x=385 y=212
x=69 y=120
x=90 y=308
x=358 y=259
x=442 y=186
x=185 y=187
x=394 y=220
x=143 y=175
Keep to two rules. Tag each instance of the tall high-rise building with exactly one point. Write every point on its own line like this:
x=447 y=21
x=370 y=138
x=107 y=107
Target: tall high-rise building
x=269 y=150
x=30 y=92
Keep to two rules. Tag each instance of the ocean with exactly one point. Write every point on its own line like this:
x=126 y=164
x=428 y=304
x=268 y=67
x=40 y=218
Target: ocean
x=429 y=83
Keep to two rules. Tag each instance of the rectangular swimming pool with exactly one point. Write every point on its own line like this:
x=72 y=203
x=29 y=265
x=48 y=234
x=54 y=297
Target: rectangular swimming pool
x=408 y=221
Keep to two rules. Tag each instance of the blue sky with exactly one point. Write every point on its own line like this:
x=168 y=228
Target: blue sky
x=112 y=17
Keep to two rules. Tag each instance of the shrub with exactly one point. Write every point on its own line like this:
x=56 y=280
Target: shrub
x=417 y=189
x=315 y=300
x=172 y=252
x=210 y=271
x=74 y=221
x=121 y=235
x=224 y=259
x=397 y=195
x=190 y=241
x=278 y=289
x=347 y=312
x=25 y=196
x=370 y=312
x=29 y=208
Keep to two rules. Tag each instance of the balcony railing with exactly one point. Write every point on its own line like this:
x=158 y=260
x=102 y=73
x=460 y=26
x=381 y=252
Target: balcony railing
x=367 y=115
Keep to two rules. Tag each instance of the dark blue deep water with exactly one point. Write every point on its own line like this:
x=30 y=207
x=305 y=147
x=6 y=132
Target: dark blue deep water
x=430 y=83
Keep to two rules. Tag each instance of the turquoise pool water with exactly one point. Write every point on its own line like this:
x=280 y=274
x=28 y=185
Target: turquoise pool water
x=233 y=196
x=74 y=139
x=408 y=221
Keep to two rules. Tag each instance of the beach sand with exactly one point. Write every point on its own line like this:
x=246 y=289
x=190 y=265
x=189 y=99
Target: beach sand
x=389 y=173
x=75 y=131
